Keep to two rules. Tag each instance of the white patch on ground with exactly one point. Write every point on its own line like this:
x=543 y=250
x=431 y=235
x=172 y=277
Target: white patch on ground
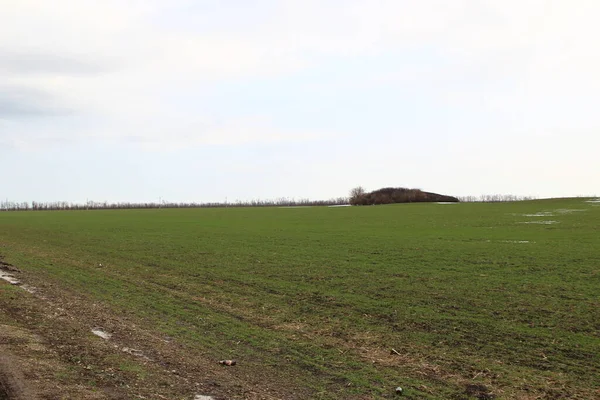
x=540 y=222
x=516 y=241
x=539 y=214
x=135 y=352
x=568 y=210
x=99 y=332
x=203 y=397
x=9 y=278
x=340 y=205
x=28 y=288
x=446 y=202
x=593 y=201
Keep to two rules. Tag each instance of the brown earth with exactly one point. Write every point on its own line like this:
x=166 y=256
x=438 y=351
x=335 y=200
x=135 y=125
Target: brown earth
x=47 y=351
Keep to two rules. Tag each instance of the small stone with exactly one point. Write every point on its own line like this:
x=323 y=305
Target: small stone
x=399 y=391
x=228 y=362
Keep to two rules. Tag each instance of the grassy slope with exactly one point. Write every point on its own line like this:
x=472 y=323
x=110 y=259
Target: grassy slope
x=323 y=294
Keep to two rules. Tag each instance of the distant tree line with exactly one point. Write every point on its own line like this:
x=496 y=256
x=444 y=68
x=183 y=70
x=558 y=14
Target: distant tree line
x=494 y=198
x=359 y=197
x=94 y=205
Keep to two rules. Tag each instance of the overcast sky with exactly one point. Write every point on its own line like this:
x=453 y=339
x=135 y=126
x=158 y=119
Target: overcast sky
x=192 y=100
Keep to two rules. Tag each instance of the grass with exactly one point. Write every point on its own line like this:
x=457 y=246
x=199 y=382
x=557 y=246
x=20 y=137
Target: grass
x=324 y=294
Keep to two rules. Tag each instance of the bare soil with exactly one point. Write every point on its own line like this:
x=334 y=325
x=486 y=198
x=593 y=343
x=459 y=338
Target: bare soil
x=48 y=351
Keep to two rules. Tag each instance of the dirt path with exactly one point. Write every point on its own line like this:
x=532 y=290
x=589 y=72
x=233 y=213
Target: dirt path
x=13 y=385
x=12 y=382
x=49 y=352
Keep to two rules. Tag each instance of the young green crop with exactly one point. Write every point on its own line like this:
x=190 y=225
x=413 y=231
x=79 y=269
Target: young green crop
x=448 y=301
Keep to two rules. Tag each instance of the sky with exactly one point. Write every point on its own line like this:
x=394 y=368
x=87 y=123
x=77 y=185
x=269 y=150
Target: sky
x=198 y=101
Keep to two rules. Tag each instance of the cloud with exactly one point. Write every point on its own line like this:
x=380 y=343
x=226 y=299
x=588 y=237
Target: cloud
x=205 y=43
x=113 y=61
x=170 y=133
x=39 y=62
x=24 y=102
x=163 y=133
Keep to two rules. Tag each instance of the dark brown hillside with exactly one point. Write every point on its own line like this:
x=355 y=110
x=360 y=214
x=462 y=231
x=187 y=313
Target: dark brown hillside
x=397 y=195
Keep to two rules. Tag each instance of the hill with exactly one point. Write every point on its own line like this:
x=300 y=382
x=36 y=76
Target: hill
x=397 y=195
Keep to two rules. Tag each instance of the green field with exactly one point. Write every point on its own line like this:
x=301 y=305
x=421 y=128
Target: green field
x=474 y=299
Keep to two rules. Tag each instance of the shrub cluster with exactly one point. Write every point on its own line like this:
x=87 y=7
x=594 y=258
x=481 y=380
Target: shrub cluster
x=359 y=197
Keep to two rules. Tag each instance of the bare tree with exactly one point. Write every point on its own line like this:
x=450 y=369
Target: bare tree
x=356 y=195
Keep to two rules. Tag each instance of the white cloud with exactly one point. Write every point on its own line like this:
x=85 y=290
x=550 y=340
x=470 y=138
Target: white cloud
x=164 y=133
x=112 y=60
